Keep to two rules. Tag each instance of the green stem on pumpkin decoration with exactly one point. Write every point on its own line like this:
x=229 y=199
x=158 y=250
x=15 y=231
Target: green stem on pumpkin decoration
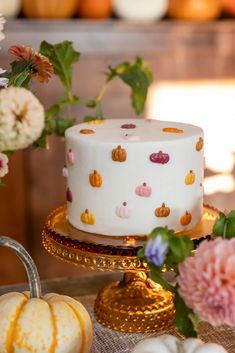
x=31 y=269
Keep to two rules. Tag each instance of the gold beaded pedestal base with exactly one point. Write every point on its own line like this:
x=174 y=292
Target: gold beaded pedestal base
x=135 y=304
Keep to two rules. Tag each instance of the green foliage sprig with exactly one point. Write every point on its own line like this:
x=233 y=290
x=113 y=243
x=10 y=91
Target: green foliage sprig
x=63 y=57
x=225 y=226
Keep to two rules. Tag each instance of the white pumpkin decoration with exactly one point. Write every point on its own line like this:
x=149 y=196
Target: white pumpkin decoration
x=32 y=323
x=171 y=344
x=139 y=10
x=10 y=8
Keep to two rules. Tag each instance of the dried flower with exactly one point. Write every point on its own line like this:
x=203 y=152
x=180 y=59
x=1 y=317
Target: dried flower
x=41 y=65
x=3 y=165
x=207 y=281
x=3 y=80
x=21 y=118
x=155 y=250
x=2 y=21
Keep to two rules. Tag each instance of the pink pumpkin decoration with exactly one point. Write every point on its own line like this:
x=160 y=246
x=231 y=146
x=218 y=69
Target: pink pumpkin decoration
x=69 y=195
x=123 y=211
x=143 y=190
x=70 y=157
x=130 y=137
x=65 y=172
x=128 y=126
x=160 y=157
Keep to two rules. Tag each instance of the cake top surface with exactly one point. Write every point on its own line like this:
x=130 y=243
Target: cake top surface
x=133 y=130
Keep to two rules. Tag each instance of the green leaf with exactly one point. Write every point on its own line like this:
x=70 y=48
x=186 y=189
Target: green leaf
x=60 y=125
x=183 y=318
x=137 y=76
x=21 y=73
x=42 y=141
x=219 y=226
x=62 y=56
x=230 y=229
x=89 y=118
x=91 y=104
x=53 y=110
x=141 y=253
x=156 y=276
x=164 y=232
x=8 y=153
x=180 y=248
x=231 y=215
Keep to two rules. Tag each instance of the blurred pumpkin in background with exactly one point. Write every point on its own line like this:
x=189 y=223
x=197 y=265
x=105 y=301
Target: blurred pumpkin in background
x=139 y=10
x=201 y=10
x=10 y=8
x=229 y=7
x=49 y=8
x=95 y=9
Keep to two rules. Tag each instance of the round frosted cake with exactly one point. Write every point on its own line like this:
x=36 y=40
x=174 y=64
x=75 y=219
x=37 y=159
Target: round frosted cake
x=126 y=177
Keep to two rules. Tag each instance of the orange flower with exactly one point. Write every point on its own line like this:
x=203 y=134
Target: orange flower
x=40 y=64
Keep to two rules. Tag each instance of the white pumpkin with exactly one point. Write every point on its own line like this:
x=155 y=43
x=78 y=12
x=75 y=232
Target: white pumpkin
x=139 y=10
x=10 y=8
x=171 y=344
x=32 y=323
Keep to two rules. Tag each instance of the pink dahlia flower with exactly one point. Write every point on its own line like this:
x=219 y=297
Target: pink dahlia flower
x=40 y=63
x=207 y=281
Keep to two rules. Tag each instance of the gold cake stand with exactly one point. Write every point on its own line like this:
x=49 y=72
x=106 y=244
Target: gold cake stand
x=136 y=303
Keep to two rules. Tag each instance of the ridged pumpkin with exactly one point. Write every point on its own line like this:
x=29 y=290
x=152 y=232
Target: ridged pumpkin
x=32 y=323
x=201 y=10
x=119 y=154
x=95 y=179
x=95 y=9
x=87 y=217
x=199 y=144
x=186 y=219
x=190 y=178
x=49 y=8
x=162 y=211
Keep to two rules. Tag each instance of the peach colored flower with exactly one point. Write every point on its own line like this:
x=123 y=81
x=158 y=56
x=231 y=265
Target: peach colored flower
x=207 y=281
x=3 y=165
x=22 y=118
x=40 y=63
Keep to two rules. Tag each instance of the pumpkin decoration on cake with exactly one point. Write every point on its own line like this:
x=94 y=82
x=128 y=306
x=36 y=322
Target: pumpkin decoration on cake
x=143 y=190
x=69 y=195
x=70 y=157
x=200 y=144
x=171 y=344
x=123 y=211
x=199 y=10
x=160 y=157
x=162 y=211
x=87 y=131
x=87 y=217
x=119 y=154
x=173 y=130
x=31 y=322
x=49 y=8
x=95 y=122
x=128 y=126
x=186 y=219
x=190 y=178
x=95 y=179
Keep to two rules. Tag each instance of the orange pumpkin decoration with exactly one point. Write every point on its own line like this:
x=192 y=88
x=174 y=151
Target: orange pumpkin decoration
x=200 y=144
x=119 y=154
x=87 y=217
x=95 y=9
x=162 y=211
x=190 y=178
x=186 y=219
x=87 y=131
x=195 y=9
x=173 y=130
x=49 y=8
x=95 y=179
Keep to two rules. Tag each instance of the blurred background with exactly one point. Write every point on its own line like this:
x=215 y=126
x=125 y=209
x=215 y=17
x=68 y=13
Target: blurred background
x=190 y=46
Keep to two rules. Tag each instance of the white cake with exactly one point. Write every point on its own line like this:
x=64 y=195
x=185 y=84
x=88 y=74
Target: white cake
x=126 y=177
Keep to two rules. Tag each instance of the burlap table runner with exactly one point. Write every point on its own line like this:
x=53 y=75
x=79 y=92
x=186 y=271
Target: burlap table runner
x=108 y=341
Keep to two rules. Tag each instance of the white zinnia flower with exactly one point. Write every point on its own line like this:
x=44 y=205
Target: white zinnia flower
x=22 y=118
x=3 y=165
x=2 y=21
